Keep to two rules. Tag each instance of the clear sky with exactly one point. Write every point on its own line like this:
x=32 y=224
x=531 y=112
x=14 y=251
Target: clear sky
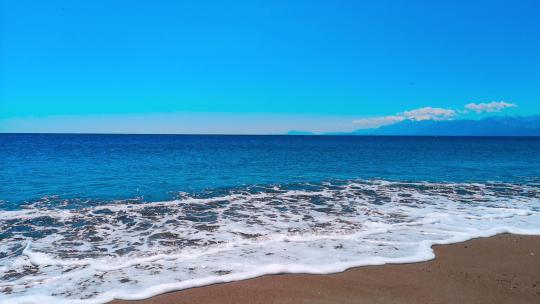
x=262 y=66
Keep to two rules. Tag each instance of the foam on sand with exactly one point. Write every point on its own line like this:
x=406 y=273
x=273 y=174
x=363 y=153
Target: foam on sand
x=134 y=250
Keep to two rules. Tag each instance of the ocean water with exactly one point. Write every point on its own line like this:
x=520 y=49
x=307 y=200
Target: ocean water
x=89 y=218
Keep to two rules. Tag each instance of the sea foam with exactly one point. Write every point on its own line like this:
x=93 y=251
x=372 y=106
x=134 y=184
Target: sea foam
x=134 y=250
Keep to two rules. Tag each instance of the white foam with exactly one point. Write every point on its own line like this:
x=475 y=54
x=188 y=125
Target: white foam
x=136 y=250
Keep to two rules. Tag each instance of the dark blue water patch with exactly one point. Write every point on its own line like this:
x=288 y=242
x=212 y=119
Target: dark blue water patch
x=94 y=168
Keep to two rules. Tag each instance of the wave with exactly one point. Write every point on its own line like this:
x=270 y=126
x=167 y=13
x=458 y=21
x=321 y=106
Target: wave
x=54 y=253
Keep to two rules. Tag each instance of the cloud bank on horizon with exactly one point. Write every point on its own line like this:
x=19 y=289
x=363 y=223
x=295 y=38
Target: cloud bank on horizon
x=489 y=107
x=430 y=113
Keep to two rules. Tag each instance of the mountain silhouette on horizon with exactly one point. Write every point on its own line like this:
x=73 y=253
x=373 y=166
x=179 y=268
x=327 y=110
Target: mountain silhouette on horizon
x=490 y=126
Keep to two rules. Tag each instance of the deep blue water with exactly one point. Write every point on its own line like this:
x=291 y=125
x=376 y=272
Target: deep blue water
x=158 y=167
x=89 y=218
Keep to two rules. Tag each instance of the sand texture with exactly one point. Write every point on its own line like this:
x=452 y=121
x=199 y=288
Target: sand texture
x=500 y=269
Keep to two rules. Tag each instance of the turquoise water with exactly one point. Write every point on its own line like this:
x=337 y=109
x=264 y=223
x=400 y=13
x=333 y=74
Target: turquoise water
x=157 y=167
x=89 y=218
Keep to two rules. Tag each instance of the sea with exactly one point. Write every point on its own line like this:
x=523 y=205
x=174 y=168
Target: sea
x=89 y=218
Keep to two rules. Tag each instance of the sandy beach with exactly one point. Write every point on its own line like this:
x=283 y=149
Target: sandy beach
x=500 y=269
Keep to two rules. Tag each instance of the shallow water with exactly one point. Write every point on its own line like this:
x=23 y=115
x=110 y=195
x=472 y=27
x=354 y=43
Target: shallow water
x=73 y=230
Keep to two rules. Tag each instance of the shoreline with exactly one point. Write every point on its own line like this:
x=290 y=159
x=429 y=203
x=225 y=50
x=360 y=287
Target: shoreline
x=500 y=269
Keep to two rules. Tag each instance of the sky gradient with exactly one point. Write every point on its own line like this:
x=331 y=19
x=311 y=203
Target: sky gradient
x=261 y=66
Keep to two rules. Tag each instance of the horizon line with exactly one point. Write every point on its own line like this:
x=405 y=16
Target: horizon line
x=233 y=134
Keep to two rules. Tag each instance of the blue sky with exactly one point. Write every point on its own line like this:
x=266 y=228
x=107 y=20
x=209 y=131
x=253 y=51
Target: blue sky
x=262 y=67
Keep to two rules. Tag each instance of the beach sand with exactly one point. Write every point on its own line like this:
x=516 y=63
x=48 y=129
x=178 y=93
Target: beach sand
x=500 y=269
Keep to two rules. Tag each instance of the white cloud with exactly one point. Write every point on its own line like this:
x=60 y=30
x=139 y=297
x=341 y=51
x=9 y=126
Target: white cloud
x=429 y=113
x=375 y=122
x=426 y=113
x=489 y=107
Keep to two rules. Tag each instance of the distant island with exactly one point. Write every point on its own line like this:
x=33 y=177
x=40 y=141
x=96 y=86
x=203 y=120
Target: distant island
x=295 y=132
x=490 y=126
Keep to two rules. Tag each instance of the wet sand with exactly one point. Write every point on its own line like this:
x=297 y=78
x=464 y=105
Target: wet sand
x=500 y=269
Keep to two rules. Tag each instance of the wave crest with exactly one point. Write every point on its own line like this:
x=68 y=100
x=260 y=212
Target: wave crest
x=132 y=249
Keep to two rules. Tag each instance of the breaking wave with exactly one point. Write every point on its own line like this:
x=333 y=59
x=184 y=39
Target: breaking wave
x=86 y=252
